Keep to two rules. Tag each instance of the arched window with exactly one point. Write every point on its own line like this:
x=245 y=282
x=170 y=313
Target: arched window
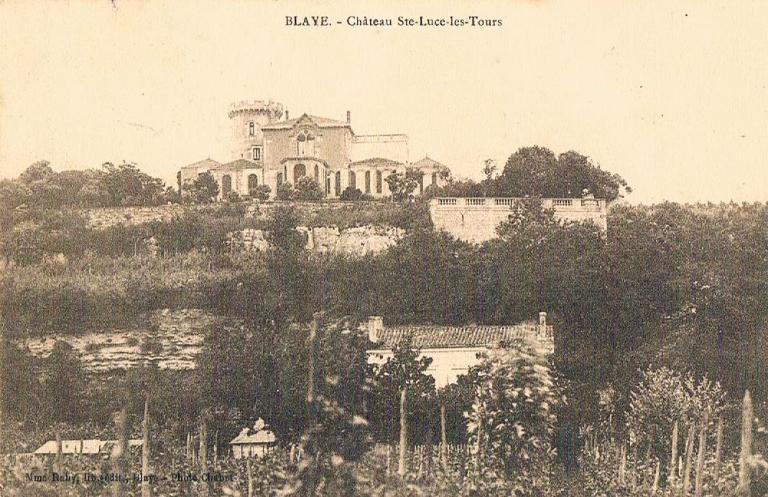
x=226 y=185
x=305 y=144
x=279 y=179
x=352 y=179
x=367 y=182
x=299 y=171
x=338 y=183
x=253 y=182
x=251 y=128
x=317 y=174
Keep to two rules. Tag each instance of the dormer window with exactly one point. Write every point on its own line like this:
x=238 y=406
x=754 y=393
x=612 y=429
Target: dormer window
x=251 y=128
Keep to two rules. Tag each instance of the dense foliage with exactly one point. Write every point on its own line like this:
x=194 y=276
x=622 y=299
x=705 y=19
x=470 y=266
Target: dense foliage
x=537 y=171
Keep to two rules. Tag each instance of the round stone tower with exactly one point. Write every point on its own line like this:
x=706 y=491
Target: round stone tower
x=247 y=118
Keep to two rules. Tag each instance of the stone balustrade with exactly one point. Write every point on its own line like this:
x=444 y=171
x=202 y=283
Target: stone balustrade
x=475 y=219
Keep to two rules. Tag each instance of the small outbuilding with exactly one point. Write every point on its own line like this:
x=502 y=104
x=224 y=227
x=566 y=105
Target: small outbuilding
x=253 y=444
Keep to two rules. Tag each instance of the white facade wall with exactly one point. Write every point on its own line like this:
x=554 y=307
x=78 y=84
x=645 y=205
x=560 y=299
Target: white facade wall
x=447 y=363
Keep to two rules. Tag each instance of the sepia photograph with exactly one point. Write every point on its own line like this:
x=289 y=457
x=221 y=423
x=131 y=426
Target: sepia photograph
x=284 y=248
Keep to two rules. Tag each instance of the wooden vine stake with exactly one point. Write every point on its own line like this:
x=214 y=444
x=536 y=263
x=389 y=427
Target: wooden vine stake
x=743 y=488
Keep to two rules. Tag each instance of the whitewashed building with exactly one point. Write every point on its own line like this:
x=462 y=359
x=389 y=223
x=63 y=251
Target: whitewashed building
x=454 y=349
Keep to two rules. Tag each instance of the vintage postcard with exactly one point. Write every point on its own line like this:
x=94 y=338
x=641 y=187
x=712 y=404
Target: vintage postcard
x=293 y=248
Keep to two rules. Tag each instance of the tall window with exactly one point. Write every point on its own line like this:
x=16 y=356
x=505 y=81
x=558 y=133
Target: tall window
x=299 y=170
x=378 y=181
x=352 y=179
x=317 y=174
x=367 y=182
x=338 y=183
x=256 y=153
x=421 y=183
x=253 y=182
x=434 y=179
x=279 y=179
x=226 y=185
x=251 y=128
x=305 y=144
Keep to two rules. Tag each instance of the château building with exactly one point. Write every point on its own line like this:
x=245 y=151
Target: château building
x=269 y=148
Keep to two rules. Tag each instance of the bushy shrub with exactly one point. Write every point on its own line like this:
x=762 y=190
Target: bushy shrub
x=351 y=193
x=308 y=189
x=285 y=191
x=663 y=397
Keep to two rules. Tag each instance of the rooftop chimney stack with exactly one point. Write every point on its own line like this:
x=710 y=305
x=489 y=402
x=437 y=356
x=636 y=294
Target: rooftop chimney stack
x=349 y=117
x=375 y=327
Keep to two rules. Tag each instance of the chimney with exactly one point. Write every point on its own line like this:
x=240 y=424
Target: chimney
x=375 y=327
x=349 y=117
x=542 y=319
x=286 y=115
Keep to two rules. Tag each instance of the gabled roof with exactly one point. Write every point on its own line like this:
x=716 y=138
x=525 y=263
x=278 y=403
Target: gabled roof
x=320 y=122
x=427 y=163
x=89 y=446
x=429 y=336
x=376 y=162
x=207 y=163
x=241 y=164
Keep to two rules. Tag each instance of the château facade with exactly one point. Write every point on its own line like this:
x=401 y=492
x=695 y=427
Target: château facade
x=268 y=148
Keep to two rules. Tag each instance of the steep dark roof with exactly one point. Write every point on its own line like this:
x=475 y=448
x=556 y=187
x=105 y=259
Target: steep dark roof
x=321 y=122
x=428 y=336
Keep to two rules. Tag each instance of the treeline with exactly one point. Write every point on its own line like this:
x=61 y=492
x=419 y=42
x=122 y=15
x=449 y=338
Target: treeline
x=113 y=185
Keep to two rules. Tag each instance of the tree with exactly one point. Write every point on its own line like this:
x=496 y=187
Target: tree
x=18 y=383
x=511 y=422
x=664 y=397
x=63 y=384
x=308 y=189
x=536 y=171
x=402 y=381
x=401 y=185
x=285 y=191
x=37 y=171
x=125 y=185
x=489 y=168
x=261 y=192
x=203 y=189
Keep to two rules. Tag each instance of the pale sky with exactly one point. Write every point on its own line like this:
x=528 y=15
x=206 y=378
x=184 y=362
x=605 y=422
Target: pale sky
x=671 y=95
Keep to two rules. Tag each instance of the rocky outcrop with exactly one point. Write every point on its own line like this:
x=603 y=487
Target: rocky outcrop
x=171 y=339
x=367 y=239
x=359 y=240
x=128 y=216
